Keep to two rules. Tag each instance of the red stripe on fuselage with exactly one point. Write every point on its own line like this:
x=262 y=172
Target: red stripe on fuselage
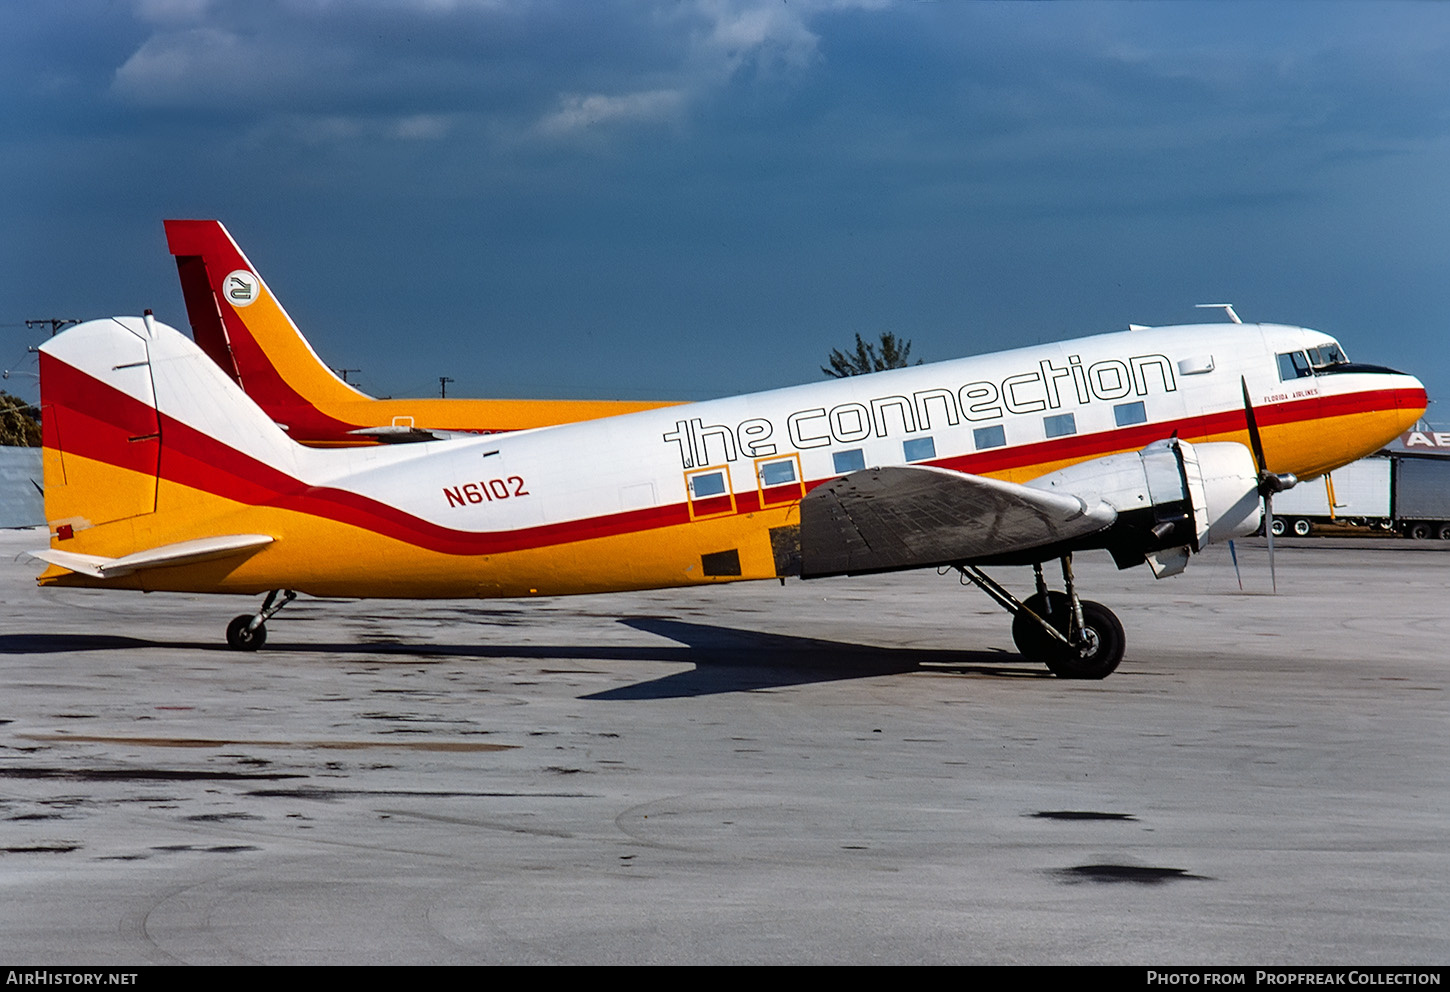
x=191 y=458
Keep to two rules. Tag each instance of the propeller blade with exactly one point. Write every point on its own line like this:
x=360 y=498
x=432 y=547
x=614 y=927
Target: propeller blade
x=1269 y=533
x=1269 y=483
x=1232 y=553
x=1256 y=443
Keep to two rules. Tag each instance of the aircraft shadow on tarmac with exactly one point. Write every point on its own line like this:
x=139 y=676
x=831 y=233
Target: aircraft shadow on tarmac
x=725 y=659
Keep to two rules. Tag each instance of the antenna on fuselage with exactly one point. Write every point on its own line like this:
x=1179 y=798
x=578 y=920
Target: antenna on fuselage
x=1227 y=308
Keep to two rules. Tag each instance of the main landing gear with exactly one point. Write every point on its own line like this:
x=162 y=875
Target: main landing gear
x=1076 y=639
x=248 y=632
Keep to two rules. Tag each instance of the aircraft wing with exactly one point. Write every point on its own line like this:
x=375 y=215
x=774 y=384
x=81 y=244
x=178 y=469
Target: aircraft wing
x=883 y=519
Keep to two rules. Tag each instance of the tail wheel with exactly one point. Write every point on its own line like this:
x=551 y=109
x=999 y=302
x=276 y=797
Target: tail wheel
x=242 y=639
x=1096 y=658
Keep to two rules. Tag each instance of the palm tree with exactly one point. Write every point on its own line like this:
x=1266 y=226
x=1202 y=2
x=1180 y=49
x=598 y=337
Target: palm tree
x=895 y=353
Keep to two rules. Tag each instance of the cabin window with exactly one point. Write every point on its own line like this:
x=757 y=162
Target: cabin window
x=989 y=437
x=779 y=480
x=852 y=460
x=1128 y=414
x=707 y=484
x=710 y=493
x=919 y=449
x=778 y=473
x=1293 y=365
x=1060 y=425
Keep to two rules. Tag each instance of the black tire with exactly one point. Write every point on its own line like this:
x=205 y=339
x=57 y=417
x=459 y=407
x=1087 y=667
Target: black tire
x=1280 y=527
x=1444 y=532
x=1095 y=660
x=1420 y=530
x=1031 y=640
x=241 y=639
x=1302 y=527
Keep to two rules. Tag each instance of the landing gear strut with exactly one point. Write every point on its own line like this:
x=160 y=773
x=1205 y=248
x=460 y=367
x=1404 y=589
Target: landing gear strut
x=248 y=632
x=1076 y=639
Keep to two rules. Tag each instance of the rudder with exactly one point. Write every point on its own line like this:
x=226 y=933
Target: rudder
x=102 y=441
x=237 y=321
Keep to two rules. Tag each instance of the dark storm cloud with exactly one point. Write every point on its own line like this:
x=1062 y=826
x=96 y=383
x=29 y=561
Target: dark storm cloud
x=701 y=197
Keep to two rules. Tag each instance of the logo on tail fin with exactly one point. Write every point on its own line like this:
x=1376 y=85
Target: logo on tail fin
x=240 y=288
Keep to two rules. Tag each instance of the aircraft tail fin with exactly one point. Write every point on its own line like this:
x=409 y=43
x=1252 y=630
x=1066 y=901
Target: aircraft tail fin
x=237 y=321
x=136 y=421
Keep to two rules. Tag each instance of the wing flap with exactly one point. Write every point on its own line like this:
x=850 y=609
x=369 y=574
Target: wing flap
x=914 y=516
x=181 y=553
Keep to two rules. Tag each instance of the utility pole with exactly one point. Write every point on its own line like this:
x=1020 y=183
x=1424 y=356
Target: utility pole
x=443 y=382
x=343 y=373
x=56 y=323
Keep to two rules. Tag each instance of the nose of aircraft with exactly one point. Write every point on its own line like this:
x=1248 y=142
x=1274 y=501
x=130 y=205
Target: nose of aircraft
x=1411 y=399
x=1363 y=408
x=1394 y=390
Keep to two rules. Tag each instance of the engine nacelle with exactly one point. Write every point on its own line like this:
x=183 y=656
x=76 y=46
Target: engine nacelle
x=1170 y=495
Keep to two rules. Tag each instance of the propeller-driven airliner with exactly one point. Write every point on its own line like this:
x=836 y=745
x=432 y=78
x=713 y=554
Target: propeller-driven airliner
x=236 y=319
x=162 y=474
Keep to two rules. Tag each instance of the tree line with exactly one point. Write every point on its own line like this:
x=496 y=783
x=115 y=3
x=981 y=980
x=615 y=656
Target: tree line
x=19 y=423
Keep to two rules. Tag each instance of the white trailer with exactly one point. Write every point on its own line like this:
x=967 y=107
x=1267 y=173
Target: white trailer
x=1359 y=493
x=1393 y=491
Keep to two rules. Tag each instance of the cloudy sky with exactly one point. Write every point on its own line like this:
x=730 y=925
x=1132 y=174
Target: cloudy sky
x=689 y=198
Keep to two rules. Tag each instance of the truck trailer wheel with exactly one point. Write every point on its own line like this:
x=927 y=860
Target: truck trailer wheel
x=1302 y=527
x=1420 y=530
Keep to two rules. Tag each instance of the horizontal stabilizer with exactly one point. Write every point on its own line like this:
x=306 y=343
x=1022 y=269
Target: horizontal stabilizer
x=182 y=553
x=408 y=435
x=883 y=519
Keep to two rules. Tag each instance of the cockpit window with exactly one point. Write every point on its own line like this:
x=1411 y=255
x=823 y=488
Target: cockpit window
x=1326 y=355
x=1298 y=364
x=1294 y=365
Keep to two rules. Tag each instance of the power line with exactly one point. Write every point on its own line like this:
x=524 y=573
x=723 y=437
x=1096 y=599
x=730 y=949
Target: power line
x=54 y=323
